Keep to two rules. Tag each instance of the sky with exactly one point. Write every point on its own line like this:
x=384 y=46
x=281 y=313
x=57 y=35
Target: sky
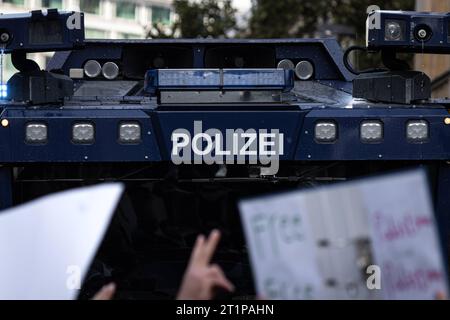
x=242 y=5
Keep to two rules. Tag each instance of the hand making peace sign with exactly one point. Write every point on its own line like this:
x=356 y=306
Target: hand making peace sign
x=201 y=277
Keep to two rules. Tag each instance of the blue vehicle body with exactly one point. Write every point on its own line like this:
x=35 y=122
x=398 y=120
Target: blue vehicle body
x=296 y=118
x=330 y=98
x=326 y=96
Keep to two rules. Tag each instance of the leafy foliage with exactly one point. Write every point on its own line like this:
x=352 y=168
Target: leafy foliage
x=300 y=18
x=206 y=18
x=276 y=19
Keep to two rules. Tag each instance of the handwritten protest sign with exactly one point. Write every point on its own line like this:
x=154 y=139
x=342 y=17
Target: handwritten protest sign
x=325 y=242
x=405 y=241
x=279 y=236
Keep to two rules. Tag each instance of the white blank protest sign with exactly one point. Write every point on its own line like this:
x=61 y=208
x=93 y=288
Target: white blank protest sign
x=387 y=221
x=47 y=245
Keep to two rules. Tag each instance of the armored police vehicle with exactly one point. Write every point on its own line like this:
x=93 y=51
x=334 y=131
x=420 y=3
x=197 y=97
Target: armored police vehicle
x=193 y=125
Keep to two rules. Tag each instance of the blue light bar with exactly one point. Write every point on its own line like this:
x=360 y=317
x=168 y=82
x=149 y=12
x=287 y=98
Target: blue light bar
x=3 y=91
x=187 y=78
x=218 y=79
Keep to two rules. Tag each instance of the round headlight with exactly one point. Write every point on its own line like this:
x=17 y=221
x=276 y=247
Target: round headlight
x=92 y=68
x=304 y=70
x=286 y=64
x=110 y=70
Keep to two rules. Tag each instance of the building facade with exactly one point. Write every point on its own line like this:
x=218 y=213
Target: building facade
x=110 y=19
x=437 y=67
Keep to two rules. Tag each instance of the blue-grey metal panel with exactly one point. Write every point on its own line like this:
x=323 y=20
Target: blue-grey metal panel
x=60 y=147
x=157 y=127
x=394 y=146
x=288 y=122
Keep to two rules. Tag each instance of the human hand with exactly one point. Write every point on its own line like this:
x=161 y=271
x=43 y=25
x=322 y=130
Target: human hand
x=201 y=278
x=106 y=293
x=440 y=296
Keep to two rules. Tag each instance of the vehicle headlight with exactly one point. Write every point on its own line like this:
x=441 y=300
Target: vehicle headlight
x=92 y=68
x=3 y=91
x=304 y=70
x=394 y=30
x=83 y=133
x=286 y=64
x=36 y=133
x=129 y=132
x=371 y=131
x=110 y=70
x=325 y=131
x=417 y=130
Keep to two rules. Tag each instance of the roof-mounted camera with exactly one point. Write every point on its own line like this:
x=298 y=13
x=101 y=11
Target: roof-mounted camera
x=39 y=31
x=407 y=31
x=392 y=32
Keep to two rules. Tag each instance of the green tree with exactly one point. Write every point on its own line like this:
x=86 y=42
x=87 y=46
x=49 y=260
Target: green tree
x=302 y=18
x=284 y=19
x=207 y=18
